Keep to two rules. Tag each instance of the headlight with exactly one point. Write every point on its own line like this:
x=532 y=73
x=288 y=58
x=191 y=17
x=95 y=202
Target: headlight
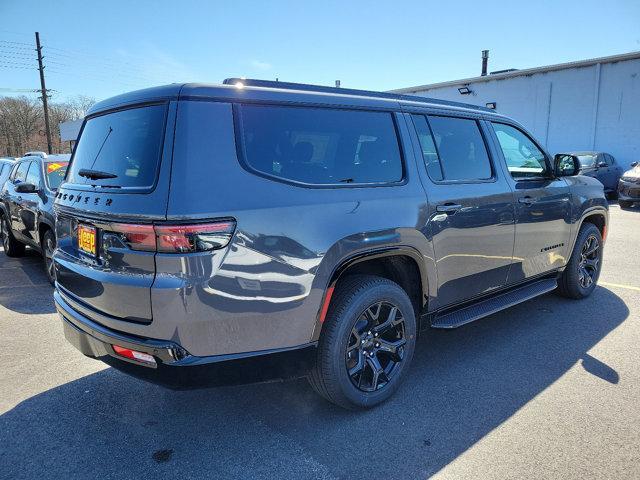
x=631 y=179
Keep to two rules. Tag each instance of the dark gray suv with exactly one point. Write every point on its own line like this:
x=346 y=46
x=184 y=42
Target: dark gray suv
x=199 y=224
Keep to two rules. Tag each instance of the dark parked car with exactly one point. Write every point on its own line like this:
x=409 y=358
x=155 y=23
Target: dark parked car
x=199 y=224
x=629 y=186
x=602 y=166
x=26 y=206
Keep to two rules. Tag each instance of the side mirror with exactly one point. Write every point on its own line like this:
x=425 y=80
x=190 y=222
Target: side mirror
x=603 y=165
x=634 y=164
x=565 y=165
x=26 y=188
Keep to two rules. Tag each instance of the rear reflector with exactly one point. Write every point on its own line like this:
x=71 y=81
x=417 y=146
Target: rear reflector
x=326 y=303
x=176 y=238
x=133 y=354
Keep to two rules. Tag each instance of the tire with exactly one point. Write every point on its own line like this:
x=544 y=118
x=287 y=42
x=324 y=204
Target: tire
x=12 y=247
x=625 y=203
x=583 y=269
x=48 y=246
x=362 y=332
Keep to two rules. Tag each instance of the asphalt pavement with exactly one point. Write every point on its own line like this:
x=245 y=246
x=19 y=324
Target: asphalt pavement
x=546 y=389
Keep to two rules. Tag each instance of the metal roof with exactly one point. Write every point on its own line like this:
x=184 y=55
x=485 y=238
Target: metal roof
x=524 y=72
x=278 y=92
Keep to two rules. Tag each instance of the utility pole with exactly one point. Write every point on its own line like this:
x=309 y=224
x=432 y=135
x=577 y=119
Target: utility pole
x=43 y=90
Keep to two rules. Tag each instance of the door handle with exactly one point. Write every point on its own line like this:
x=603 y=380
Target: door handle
x=448 y=208
x=526 y=200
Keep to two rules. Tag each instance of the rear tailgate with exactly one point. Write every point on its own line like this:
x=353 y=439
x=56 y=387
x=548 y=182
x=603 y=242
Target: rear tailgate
x=118 y=180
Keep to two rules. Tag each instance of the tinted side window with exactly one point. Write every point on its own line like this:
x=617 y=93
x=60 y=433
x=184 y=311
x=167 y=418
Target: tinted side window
x=320 y=146
x=462 y=151
x=428 y=147
x=610 y=159
x=20 y=174
x=34 y=176
x=524 y=158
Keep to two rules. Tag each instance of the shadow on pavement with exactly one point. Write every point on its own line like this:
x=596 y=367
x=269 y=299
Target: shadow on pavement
x=24 y=287
x=462 y=385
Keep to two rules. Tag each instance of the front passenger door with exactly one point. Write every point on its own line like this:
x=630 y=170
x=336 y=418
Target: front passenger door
x=31 y=201
x=543 y=206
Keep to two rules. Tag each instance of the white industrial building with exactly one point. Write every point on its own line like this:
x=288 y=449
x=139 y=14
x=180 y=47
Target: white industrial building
x=585 y=105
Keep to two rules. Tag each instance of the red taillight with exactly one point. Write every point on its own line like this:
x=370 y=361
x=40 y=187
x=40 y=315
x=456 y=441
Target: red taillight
x=176 y=238
x=193 y=238
x=137 y=237
x=133 y=354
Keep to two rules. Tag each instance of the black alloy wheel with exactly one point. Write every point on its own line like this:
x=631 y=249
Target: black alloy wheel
x=376 y=346
x=4 y=232
x=588 y=267
x=12 y=247
x=366 y=344
x=579 y=278
x=48 y=247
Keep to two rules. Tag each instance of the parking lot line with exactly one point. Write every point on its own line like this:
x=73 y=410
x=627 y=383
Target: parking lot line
x=619 y=285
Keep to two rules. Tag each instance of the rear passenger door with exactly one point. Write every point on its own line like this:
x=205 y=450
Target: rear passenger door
x=471 y=218
x=543 y=207
x=14 y=199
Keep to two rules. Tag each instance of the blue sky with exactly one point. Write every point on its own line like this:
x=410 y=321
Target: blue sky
x=105 y=48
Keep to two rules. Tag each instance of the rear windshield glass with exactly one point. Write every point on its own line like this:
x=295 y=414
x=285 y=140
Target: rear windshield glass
x=120 y=149
x=321 y=146
x=55 y=173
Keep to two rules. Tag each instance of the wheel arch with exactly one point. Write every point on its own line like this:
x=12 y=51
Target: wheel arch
x=598 y=216
x=43 y=226
x=401 y=264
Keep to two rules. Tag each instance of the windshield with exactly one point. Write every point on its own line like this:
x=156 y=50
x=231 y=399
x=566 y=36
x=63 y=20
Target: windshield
x=55 y=174
x=124 y=145
x=587 y=160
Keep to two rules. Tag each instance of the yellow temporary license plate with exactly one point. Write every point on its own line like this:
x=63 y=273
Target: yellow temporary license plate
x=87 y=239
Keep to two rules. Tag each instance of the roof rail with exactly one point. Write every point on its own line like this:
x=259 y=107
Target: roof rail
x=252 y=82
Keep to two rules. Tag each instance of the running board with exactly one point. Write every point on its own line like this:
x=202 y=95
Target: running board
x=492 y=305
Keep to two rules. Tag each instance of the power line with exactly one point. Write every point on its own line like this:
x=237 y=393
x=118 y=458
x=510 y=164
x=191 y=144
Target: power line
x=95 y=77
x=13 y=45
x=19 y=90
x=10 y=53
x=131 y=70
x=16 y=61
x=61 y=57
x=15 y=66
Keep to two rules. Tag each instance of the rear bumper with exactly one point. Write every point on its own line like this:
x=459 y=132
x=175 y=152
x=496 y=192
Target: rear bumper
x=175 y=367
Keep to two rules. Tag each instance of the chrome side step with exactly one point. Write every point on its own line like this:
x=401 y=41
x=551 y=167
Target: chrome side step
x=470 y=313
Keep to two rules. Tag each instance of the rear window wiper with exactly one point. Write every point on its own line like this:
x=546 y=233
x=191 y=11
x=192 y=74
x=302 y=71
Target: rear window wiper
x=95 y=174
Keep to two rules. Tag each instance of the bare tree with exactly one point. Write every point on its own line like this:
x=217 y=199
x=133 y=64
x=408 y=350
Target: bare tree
x=21 y=120
x=22 y=123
